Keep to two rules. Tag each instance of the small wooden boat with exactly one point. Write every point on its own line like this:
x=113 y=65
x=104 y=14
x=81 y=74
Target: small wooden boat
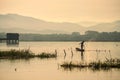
x=78 y=49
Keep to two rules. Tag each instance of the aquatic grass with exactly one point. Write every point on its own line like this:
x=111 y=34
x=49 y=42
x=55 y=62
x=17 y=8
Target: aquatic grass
x=16 y=54
x=46 y=55
x=24 y=54
x=105 y=65
x=72 y=65
x=108 y=63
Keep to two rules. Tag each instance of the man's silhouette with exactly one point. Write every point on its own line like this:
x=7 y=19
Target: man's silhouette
x=82 y=45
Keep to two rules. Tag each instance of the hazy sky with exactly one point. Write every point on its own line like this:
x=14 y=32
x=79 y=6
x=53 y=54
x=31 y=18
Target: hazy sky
x=64 y=10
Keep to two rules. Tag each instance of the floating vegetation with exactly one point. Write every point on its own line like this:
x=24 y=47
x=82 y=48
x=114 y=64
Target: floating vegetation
x=73 y=65
x=16 y=54
x=46 y=55
x=23 y=54
x=107 y=64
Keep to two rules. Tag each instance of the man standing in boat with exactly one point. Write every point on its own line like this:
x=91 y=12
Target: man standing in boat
x=82 y=45
x=82 y=50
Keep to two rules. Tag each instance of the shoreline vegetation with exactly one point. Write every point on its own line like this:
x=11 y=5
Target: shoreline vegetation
x=74 y=36
x=96 y=65
x=24 y=54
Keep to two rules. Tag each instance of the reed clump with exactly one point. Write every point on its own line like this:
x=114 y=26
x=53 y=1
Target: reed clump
x=24 y=54
x=72 y=65
x=16 y=54
x=107 y=64
x=46 y=55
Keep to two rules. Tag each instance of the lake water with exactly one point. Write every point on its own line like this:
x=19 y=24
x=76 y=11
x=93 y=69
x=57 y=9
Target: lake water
x=49 y=69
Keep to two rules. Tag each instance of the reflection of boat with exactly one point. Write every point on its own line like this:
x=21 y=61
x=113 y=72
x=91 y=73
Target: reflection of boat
x=78 y=49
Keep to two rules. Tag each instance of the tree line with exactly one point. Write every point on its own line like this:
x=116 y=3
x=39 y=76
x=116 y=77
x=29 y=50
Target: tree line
x=75 y=36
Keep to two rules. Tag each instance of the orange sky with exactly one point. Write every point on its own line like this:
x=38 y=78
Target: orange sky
x=64 y=10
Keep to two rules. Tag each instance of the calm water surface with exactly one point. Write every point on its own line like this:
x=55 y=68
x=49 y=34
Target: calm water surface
x=49 y=69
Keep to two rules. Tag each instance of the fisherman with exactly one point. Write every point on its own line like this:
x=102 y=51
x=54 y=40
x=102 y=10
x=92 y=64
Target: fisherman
x=82 y=45
x=82 y=50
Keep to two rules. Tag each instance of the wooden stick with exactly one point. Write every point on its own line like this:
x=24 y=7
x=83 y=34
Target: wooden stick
x=65 y=54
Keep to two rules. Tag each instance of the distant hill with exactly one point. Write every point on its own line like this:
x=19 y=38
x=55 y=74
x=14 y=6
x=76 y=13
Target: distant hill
x=106 y=27
x=25 y=24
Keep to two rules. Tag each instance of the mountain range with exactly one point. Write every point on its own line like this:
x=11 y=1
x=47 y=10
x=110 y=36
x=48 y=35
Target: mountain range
x=25 y=24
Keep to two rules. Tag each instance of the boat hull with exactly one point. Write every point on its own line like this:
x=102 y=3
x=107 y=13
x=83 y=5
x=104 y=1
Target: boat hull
x=78 y=49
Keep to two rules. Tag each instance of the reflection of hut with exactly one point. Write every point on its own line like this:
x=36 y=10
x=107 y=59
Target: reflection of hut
x=12 y=38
